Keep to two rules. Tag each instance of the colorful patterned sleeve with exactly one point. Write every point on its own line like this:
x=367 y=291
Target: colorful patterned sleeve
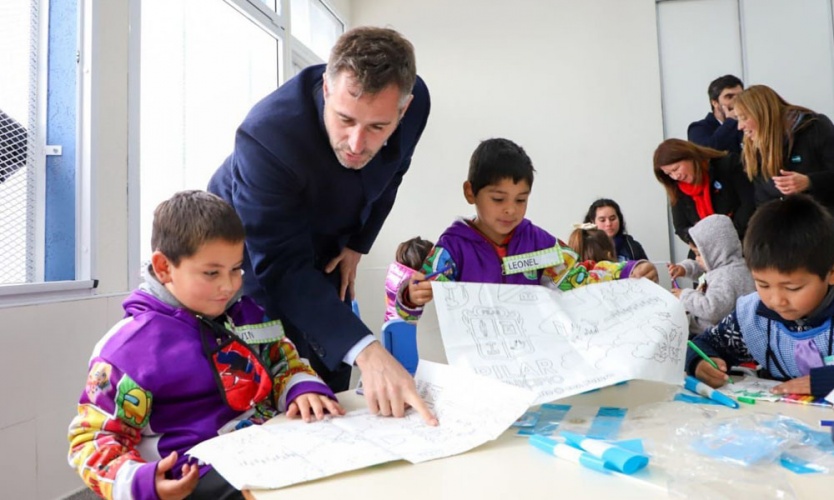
x=574 y=273
x=439 y=259
x=291 y=375
x=104 y=435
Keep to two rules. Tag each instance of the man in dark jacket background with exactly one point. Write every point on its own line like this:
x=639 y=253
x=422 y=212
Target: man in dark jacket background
x=719 y=129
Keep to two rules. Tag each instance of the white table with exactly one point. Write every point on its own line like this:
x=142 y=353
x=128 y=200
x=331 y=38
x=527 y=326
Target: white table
x=510 y=468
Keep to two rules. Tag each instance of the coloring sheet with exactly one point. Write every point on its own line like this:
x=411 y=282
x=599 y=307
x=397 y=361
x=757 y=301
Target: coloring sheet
x=752 y=387
x=563 y=343
x=471 y=410
x=274 y=456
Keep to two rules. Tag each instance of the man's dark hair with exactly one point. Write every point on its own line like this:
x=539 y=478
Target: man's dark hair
x=375 y=58
x=188 y=220
x=497 y=159
x=719 y=84
x=790 y=234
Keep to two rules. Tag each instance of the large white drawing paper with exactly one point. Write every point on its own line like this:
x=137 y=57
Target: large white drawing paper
x=471 y=409
x=563 y=343
x=273 y=456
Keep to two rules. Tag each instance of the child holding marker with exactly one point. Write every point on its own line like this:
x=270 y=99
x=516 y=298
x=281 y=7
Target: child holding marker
x=410 y=256
x=499 y=245
x=720 y=265
x=787 y=326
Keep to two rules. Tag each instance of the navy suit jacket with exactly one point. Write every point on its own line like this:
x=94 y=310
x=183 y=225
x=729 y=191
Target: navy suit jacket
x=300 y=208
x=711 y=133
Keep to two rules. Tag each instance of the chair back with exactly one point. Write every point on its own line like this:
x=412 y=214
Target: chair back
x=400 y=339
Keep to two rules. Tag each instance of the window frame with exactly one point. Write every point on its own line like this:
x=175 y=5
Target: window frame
x=84 y=285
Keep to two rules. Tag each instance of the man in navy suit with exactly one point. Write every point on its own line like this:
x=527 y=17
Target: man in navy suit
x=719 y=129
x=314 y=173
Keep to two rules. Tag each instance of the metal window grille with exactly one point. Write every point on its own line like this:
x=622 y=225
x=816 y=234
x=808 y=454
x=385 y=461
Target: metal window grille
x=19 y=139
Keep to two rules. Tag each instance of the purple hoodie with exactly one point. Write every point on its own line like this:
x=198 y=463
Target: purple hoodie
x=151 y=391
x=476 y=259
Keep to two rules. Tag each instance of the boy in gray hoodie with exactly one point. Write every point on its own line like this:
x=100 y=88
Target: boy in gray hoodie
x=720 y=269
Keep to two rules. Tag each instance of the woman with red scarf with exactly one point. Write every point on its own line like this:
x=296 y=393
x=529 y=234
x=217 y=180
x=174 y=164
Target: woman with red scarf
x=700 y=182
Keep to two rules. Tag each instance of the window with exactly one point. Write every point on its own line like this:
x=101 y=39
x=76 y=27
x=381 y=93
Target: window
x=315 y=26
x=38 y=96
x=203 y=65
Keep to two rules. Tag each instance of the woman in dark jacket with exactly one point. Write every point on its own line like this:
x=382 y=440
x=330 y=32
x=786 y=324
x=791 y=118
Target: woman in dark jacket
x=607 y=216
x=700 y=182
x=787 y=149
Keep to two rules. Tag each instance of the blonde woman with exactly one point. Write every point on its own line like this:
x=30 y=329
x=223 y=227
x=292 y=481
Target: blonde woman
x=788 y=149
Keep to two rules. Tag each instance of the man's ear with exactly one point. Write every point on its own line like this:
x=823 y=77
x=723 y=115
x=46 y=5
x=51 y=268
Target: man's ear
x=325 y=90
x=468 y=193
x=715 y=104
x=161 y=267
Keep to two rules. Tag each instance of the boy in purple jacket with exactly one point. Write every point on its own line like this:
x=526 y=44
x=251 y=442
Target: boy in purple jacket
x=499 y=245
x=190 y=359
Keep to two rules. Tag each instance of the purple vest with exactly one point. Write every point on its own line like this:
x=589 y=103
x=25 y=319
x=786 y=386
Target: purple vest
x=477 y=261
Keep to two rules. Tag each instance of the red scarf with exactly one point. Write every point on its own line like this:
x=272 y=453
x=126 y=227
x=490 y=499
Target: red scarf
x=700 y=195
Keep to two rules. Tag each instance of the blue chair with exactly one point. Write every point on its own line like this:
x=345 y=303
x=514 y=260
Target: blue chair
x=400 y=339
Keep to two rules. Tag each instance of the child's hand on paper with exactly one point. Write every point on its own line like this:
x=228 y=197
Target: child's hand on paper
x=801 y=385
x=709 y=375
x=175 y=489
x=312 y=405
x=676 y=271
x=645 y=269
x=419 y=290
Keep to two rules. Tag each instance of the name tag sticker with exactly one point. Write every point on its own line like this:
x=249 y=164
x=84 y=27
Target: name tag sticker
x=533 y=261
x=261 y=333
x=796 y=159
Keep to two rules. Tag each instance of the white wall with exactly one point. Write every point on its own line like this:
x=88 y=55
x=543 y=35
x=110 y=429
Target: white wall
x=576 y=83
x=46 y=347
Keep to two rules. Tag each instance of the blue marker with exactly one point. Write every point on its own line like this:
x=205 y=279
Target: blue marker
x=443 y=270
x=621 y=459
x=569 y=453
x=698 y=387
x=827 y=423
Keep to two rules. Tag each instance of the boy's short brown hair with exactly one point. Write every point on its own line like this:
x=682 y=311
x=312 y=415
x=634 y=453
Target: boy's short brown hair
x=188 y=220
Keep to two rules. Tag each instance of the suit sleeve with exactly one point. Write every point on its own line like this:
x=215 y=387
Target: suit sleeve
x=270 y=201
x=724 y=138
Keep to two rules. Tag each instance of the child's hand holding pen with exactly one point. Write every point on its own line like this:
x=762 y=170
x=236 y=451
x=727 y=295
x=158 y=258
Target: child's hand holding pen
x=419 y=287
x=419 y=290
x=713 y=376
x=675 y=271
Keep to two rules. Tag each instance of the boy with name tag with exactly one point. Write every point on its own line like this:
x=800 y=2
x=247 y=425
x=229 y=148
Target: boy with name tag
x=190 y=359
x=787 y=325
x=499 y=245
